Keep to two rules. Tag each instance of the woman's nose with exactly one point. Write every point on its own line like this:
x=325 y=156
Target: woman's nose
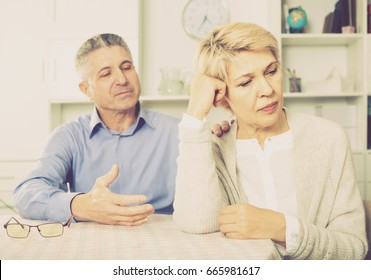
x=265 y=89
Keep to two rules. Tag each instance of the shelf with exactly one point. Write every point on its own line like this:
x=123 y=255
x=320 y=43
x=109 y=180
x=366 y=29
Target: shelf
x=164 y=98
x=327 y=39
x=321 y=95
x=148 y=98
x=359 y=151
x=175 y=98
x=71 y=100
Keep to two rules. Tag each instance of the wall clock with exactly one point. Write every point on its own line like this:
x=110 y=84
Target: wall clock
x=201 y=16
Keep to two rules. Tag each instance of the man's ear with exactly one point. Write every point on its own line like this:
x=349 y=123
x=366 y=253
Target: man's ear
x=84 y=88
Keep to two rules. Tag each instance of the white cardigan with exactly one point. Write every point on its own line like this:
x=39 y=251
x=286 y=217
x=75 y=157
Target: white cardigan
x=330 y=210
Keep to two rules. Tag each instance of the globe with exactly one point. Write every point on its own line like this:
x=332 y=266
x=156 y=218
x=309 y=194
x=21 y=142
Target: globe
x=297 y=19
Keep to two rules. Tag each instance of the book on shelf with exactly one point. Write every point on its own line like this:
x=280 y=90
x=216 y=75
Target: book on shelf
x=369 y=123
x=327 y=26
x=344 y=15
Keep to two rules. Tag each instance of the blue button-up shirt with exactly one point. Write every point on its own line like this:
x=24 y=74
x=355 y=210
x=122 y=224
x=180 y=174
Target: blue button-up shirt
x=82 y=150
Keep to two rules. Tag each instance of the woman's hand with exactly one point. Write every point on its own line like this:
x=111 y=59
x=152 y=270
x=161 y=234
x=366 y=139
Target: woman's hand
x=205 y=92
x=244 y=221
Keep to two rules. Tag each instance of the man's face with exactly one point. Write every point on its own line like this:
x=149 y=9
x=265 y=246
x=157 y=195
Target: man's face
x=111 y=80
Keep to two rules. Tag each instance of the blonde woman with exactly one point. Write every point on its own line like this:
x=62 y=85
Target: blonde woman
x=277 y=174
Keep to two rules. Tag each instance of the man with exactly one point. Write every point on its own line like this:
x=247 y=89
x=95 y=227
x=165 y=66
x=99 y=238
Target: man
x=116 y=165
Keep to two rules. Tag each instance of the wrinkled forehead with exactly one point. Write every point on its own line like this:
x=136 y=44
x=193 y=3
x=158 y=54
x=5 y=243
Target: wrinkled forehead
x=108 y=53
x=246 y=62
x=106 y=57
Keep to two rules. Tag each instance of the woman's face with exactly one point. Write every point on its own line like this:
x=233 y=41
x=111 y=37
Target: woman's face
x=255 y=89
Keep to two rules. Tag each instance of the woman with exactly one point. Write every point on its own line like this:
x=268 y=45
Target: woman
x=278 y=175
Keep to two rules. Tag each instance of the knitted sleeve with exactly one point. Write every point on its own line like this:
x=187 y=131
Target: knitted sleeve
x=334 y=226
x=199 y=194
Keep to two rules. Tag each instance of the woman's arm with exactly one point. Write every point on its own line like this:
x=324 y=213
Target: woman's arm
x=333 y=226
x=199 y=194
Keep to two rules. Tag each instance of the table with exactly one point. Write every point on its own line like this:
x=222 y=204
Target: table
x=158 y=239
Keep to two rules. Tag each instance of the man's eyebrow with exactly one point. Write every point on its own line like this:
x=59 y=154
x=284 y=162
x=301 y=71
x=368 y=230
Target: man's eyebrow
x=104 y=68
x=109 y=67
x=126 y=61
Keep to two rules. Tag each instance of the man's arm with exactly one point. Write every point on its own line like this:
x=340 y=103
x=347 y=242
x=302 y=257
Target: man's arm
x=43 y=194
x=103 y=206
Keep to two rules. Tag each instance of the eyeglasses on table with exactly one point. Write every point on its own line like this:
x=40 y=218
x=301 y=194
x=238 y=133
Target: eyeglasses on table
x=50 y=229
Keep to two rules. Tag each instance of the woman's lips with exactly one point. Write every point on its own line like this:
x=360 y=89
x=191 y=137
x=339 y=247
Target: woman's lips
x=269 y=108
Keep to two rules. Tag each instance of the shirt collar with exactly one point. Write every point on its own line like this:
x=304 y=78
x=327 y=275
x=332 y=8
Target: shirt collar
x=95 y=121
x=143 y=116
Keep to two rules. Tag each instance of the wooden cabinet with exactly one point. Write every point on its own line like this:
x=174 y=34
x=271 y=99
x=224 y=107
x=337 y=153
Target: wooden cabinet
x=71 y=22
x=81 y=19
x=39 y=39
x=23 y=97
x=11 y=173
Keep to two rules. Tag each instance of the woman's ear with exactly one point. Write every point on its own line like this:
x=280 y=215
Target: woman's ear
x=220 y=99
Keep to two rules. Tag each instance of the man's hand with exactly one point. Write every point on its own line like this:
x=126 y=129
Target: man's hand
x=220 y=129
x=244 y=221
x=103 y=206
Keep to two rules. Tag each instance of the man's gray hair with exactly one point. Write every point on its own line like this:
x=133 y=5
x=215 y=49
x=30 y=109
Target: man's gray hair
x=95 y=43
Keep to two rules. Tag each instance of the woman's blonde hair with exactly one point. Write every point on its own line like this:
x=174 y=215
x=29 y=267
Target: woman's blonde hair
x=217 y=51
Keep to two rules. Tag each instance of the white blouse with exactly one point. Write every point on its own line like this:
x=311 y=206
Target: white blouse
x=266 y=177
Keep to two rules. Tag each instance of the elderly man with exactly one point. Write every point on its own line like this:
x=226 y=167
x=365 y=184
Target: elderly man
x=116 y=165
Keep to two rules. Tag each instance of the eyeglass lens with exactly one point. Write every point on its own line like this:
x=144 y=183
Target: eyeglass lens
x=51 y=230
x=46 y=230
x=17 y=231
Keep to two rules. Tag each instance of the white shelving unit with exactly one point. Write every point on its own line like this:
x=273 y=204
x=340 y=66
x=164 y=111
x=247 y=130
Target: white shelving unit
x=66 y=109
x=314 y=55
x=145 y=98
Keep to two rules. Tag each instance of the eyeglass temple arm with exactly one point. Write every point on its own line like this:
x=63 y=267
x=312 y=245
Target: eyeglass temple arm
x=22 y=225
x=68 y=223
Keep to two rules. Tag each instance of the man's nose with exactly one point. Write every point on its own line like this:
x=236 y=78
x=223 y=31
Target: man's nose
x=120 y=77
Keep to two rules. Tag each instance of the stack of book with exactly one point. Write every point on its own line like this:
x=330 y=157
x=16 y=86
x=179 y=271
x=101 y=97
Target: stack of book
x=342 y=19
x=369 y=124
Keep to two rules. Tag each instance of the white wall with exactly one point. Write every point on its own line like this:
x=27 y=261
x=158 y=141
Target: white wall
x=165 y=43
